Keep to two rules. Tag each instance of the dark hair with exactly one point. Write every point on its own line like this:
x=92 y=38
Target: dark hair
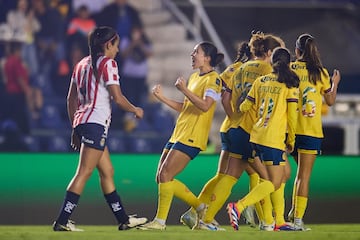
x=280 y=60
x=309 y=54
x=243 y=53
x=211 y=51
x=261 y=43
x=97 y=40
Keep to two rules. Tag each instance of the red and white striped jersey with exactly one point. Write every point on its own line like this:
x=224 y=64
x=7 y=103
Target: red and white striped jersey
x=94 y=101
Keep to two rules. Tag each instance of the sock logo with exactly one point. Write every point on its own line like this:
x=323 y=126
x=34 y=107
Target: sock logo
x=69 y=207
x=116 y=206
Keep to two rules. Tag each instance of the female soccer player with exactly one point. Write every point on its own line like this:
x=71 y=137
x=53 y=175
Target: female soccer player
x=191 y=132
x=238 y=136
x=205 y=196
x=315 y=84
x=94 y=82
x=274 y=98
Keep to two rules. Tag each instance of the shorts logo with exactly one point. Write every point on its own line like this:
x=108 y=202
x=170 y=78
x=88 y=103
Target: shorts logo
x=102 y=142
x=85 y=140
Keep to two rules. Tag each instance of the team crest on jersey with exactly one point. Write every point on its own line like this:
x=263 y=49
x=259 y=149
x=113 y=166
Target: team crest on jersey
x=218 y=81
x=102 y=142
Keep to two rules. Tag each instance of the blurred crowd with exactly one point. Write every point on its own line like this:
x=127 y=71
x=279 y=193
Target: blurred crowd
x=41 y=40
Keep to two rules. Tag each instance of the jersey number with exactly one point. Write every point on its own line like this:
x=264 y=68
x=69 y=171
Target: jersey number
x=266 y=113
x=308 y=105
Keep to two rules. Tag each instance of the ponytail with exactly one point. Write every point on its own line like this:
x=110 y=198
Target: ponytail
x=280 y=61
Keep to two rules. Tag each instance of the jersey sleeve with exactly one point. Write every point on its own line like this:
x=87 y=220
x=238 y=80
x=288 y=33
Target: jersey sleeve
x=110 y=73
x=213 y=87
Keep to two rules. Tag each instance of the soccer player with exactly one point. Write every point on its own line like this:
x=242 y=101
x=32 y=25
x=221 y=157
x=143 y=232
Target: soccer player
x=191 y=132
x=274 y=98
x=315 y=84
x=205 y=196
x=240 y=152
x=94 y=82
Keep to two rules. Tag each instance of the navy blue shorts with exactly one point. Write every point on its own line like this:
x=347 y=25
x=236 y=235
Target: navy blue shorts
x=269 y=156
x=92 y=135
x=225 y=141
x=307 y=144
x=192 y=152
x=239 y=143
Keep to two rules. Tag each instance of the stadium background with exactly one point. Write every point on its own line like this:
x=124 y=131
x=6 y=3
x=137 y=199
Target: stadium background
x=32 y=184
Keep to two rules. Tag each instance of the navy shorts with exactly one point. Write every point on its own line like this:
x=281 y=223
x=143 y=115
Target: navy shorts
x=307 y=144
x=92 y=135
x=192 y=152
x=269 y=156
x=239 y=143
x=225 y=141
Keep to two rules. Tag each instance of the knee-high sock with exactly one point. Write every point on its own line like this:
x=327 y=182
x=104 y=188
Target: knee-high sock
x=254 y=180
x=182 y=192
x=165 y=196
x=221 y=193
x=293 y=195
x=259 y=192
x=208 y=189
x=300 y=206
x=278 y=202
x=117 y=208
x=70 y=202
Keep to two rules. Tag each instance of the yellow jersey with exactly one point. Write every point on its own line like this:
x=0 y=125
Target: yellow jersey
x=226 y=76
x=310 y=101
x=243 y=79
x=193 y=125
x=270 y=99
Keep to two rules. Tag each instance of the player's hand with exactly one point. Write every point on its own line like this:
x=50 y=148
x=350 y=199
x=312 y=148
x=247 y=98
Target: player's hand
x=289 y=148
x=336 y=77
x=75 y=141
x=180 y=83
x=157 y=91
x=139 y=112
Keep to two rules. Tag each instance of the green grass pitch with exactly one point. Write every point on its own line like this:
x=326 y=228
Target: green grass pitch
x=318 y=232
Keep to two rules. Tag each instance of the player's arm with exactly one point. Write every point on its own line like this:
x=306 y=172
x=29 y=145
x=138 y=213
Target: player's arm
x=122 y=102
x=157 y=91
x=203 y=104
x=330 y=96
x=292 y=115
x=225 y=100
x=72 y=102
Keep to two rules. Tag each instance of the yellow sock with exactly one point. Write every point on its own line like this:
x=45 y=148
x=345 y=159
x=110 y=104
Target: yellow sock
x=221 y=193
x=166 y=193
x=208 y=189
x=278 y=202
x=182 y=192
x=300 y=206
x=255 y=195
x=254 y=180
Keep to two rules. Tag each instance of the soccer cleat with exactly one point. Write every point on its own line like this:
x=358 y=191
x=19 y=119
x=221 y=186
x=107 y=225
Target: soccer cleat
x=248 y=216
x=208 y=226
x=69 y=227
x=284 y=227
x=201 y=213
x=189 y=218
x=153 y=225
x=234 y=215
x=267 y=227
x=214 y=222
x=299 y=225
x=132 y=222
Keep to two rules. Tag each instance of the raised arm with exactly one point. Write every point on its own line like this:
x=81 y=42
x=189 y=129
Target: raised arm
x=157 y=91
x=203 y=104
x=330 y=97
